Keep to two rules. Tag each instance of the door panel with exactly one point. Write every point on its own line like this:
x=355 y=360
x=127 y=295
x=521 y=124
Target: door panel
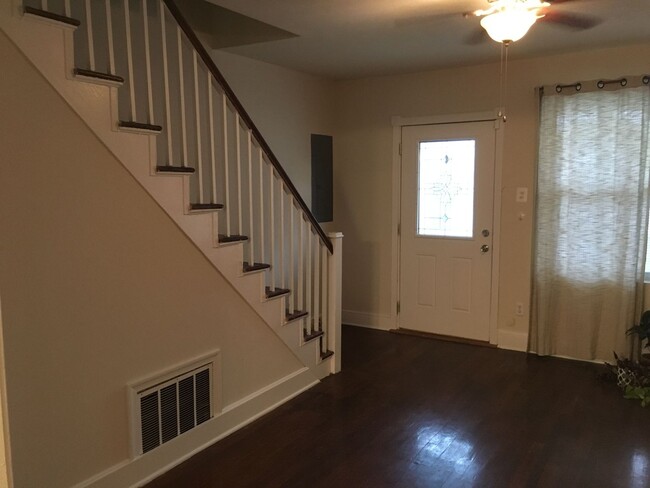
x=426 y=280
x=446 y=205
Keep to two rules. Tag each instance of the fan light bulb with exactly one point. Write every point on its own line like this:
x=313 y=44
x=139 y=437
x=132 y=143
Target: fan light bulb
x=509 y=25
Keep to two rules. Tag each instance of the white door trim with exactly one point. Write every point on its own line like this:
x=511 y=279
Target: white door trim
x=398 y=123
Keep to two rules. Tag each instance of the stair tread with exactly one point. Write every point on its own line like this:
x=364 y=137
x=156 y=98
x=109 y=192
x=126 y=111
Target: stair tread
x=98 y=75
x=52 y=16
x=295 y=315
x=326 y=354
x=223 y=238
x=277 y=292
x=206 y=206
x=249 y=268
x=127 y=124
x=175 y=169
x=313 y=335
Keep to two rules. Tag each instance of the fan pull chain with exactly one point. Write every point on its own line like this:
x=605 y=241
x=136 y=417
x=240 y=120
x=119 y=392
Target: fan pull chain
x=503 y=81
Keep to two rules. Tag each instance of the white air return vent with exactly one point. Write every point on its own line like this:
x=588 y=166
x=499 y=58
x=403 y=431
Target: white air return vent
x=166 y=407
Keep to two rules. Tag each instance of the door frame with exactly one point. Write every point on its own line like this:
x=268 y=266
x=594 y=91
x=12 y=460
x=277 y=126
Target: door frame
x=398 y=123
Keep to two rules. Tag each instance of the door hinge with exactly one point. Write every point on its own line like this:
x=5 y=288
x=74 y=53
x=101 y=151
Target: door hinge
x=399 y=229
x=398 y=307
x=400 y=148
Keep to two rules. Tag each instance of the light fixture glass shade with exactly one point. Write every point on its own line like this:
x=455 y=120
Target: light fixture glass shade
x=508 y=25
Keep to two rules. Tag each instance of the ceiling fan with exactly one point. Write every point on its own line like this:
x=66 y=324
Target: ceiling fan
x=509 y=20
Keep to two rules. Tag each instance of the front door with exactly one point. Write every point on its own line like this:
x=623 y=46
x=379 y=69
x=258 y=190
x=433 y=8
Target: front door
x=447 y=201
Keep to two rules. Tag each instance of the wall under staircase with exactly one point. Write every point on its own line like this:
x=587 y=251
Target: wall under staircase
x=101 y=287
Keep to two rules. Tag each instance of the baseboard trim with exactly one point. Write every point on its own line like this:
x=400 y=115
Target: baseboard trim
x=143 y=469
x=513 y=341
x=441 y=337
x=367 y=320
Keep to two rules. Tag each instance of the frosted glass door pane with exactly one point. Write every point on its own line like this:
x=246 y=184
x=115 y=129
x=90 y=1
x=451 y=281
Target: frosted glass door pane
x=446 y=188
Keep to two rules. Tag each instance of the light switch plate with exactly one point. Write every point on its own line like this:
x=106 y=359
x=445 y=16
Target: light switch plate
x=522 y=194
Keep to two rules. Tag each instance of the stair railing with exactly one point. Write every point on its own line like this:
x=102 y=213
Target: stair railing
x=171 y=87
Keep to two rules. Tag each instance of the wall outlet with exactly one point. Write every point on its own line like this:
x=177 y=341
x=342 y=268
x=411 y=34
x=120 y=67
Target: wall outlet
x=519 y=309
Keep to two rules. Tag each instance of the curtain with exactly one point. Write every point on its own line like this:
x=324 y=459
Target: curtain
x=591 y=221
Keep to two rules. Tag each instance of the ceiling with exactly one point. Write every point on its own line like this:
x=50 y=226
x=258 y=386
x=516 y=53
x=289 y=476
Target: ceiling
x=342 y=39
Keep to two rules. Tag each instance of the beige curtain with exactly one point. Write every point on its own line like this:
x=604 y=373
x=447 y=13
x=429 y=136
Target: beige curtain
x=591 y=219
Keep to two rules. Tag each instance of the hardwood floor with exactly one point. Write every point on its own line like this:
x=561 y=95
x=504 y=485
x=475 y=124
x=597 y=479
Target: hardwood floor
x=412 y=412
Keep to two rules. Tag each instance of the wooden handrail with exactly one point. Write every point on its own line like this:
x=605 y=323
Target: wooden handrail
x=198 y=46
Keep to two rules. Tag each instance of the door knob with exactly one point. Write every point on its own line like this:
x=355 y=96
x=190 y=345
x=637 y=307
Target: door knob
x=485 y=248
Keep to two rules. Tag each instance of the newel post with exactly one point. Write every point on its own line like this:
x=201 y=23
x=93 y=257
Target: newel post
x=334 y=282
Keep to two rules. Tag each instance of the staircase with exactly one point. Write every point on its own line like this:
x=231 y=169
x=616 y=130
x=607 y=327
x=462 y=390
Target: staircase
x=137 y=74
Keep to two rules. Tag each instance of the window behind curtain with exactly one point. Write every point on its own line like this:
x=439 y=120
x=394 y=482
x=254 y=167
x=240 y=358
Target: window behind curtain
x=588 y=176
x=592 y=220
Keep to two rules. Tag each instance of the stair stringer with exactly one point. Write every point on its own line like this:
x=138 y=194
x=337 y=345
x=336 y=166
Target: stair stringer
x=96 y=104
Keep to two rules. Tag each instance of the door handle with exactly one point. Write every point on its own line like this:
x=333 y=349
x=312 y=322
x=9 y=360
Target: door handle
x=485 y=248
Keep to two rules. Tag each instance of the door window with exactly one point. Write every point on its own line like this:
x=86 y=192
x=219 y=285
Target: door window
x=446 y=188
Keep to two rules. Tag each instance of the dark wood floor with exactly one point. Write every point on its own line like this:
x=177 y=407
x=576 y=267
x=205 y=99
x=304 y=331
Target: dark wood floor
x=412 y=412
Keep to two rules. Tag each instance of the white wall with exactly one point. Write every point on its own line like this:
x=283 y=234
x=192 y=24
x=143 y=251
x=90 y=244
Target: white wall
x=286 y=106
x=99 y=289
x=363 y=163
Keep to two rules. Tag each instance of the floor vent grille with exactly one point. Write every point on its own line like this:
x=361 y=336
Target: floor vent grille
x=174 y=406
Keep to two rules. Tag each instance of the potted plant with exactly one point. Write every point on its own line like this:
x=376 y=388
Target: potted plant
x=633 y=377
x=643 y=332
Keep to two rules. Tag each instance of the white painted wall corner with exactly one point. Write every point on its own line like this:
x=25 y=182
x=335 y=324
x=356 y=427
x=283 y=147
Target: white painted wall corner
x=513 y=341
x=367 y=320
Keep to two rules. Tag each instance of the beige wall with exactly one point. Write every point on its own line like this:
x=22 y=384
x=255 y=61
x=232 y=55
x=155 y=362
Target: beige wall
x=99 y=288
x=286 y=106
x=363 y=162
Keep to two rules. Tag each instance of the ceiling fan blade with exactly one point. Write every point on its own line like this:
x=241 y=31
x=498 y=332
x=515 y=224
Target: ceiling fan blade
x=478 y=36
x=558 y=2
x=575 y=21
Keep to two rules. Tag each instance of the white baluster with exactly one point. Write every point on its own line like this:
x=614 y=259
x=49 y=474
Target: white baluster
x=272 y=225
x=109 y=30
x=89 y=33
x=238 y=156
x=323 y=253
x=301 y=264
x=226 y=173
x=147 y=58
x=308 y=264
x=316 y=322
x=283 y=283
x=213 y=159
x=292 y=304
x=197 y=110
x=129 y=59
x=168 y=117
x=181 y=79
x=251 y=233
x=261 y=158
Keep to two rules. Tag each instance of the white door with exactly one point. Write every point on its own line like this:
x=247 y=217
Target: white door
x=447 y=201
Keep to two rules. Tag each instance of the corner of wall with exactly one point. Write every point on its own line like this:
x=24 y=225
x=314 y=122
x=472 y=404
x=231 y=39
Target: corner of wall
x=512 y=340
